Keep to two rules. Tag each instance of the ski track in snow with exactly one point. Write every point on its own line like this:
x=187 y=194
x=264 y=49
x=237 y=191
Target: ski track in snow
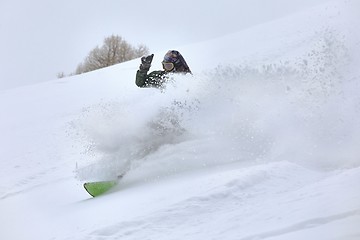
x=310 y=223
x=218 y=201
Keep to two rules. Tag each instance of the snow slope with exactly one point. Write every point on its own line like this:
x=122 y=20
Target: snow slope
x=260 y=143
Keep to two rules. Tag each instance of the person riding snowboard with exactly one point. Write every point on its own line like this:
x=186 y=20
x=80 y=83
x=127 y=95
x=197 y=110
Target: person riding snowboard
x=173 y=63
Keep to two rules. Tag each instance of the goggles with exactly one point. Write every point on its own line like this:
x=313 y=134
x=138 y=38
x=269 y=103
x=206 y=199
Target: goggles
x=168 y=66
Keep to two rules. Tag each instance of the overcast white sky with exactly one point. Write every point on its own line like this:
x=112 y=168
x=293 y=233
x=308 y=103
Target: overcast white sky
x=40 y=38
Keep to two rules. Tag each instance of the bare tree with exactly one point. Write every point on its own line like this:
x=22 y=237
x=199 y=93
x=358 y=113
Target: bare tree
x=114 y=50
x=61 y=75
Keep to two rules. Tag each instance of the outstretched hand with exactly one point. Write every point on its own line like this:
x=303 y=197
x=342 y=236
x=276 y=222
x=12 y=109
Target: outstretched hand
x=147 y=59
x=146 y=62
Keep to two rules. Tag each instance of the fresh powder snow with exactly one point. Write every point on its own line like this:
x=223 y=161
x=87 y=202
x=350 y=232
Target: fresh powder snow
x=261 y=142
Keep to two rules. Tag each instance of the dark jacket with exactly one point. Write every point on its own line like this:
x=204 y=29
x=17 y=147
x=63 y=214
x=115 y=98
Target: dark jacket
x=153 y=79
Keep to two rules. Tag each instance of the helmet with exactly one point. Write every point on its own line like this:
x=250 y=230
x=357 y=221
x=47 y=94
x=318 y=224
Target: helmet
x=174 y=62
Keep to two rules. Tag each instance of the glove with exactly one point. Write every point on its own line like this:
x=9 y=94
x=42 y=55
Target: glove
x=146 y=63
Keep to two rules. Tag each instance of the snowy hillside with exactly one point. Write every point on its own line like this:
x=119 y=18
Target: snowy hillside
x=261 y=142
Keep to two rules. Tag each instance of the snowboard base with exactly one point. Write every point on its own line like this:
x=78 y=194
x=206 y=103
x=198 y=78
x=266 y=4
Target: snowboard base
x=97 y=188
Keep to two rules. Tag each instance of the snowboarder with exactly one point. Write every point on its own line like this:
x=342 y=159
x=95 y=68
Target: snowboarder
x=173 y=63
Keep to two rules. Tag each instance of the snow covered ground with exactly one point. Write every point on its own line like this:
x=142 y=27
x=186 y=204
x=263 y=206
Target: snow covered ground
x=262 y=142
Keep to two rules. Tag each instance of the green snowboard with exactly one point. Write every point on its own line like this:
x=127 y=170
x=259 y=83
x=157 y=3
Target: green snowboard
x=97 y=188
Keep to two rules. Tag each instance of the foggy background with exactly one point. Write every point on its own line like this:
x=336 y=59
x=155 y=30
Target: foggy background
x=40 y=39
